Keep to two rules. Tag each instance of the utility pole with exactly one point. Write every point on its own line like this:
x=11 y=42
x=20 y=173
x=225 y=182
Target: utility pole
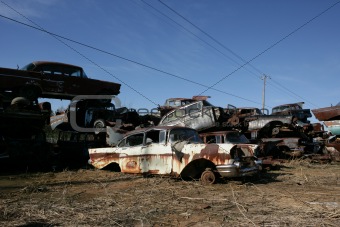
x=264 y=78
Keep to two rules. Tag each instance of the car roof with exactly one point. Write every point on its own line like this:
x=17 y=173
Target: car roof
x=142 y=130
x=219 y=133
x=38 y=63
x=290 y=104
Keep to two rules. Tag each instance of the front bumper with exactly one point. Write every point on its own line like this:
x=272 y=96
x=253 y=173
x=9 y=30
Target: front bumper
x=237 y=170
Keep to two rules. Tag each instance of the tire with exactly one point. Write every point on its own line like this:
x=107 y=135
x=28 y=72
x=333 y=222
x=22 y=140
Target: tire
x=20 y=102
x=208 y=177
x=275 y=131
x=99 y=123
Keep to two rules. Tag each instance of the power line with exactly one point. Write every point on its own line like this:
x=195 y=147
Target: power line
x=211 y=37
x=293 y=92
x=126 y=59
x=187 y=30
x=248 y=62
x=215 y=40
x=274 y=44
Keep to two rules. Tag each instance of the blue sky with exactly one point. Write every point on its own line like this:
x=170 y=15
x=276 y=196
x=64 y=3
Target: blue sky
x=295 y=43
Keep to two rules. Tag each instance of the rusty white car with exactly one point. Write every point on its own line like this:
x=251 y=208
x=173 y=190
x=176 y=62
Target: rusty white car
x=175 y=151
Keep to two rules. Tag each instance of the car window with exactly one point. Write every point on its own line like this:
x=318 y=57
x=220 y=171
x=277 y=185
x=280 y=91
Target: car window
x=134 y=140
x=156 y=136
x=193 y=108
x=214 y=139
x=210 y=139
x=184 y=135
x=258 y=111
x=174 y=103
x=174 y=115
x=236 y=138
x=55 y=69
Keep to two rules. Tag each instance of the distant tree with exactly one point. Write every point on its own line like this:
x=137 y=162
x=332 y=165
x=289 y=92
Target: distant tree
x=60 y=110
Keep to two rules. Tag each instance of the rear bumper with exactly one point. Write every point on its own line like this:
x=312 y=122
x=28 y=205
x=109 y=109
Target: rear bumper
x=236 y=169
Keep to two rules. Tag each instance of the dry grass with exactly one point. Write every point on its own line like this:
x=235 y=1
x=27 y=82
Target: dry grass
x=298 y=194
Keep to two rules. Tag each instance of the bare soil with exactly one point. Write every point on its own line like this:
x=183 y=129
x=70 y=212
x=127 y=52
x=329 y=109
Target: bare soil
x=298 y=193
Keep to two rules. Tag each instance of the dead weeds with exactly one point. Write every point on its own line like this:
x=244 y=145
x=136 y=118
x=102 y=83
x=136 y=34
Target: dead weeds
x=296 y=194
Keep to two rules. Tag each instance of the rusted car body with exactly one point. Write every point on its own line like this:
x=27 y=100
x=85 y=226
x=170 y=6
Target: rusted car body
x=267 y=150
x=293 y=109
x=238 y=142
x=238 y=116
x=174 y=103
x=175 y=151
x=333 y=126
x=198 y=115
x=71 y=149
x=267 y=125
x=332 y=147
x=52 y=80
x=286 y=147
x=22 y=130
x=330 y=117
x=327 y=113
x=92 y=114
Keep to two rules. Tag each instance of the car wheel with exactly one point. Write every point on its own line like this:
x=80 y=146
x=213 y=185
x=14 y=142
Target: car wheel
x=20 y=102
x=99 y=123
x=208 y=177
x=275 y=131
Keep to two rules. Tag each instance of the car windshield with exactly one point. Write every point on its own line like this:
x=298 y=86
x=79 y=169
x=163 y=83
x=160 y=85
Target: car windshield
x=280 y=109
x=286 y=107
x=28 y=67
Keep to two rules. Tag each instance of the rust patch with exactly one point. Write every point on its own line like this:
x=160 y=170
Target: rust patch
x=247 y=150
x=131 y=165
x=210 y=151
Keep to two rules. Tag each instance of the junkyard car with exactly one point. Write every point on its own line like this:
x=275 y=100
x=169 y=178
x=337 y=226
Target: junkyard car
x=199 y=115
x=70 y=151
x=53 y=80
x=21 y=130
x=174 y=103
x=92 y=114
x=238 y=116
x=294 y=109
x=176 y=151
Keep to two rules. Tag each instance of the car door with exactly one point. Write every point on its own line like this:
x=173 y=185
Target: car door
x=156 y=153
x=52 y=79
x=75 y=84
x=130 y=153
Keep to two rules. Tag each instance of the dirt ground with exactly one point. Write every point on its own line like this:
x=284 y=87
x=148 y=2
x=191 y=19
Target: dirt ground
x=298 y=193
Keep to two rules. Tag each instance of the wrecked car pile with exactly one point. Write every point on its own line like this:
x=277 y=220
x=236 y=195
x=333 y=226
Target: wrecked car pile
x=187 y=137
x=23 y=120
x=22 y=130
